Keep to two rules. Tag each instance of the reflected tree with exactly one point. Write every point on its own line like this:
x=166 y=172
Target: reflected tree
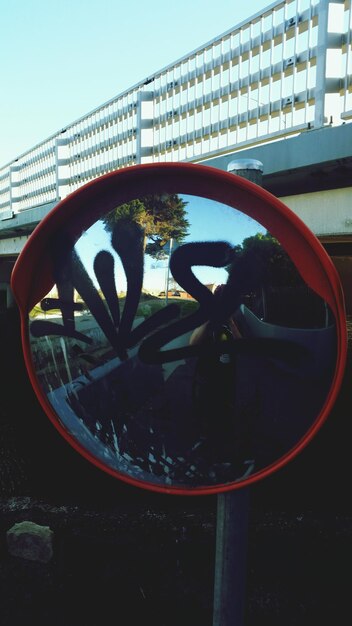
x=265 y=260
x=161 y=216
x=271 y=285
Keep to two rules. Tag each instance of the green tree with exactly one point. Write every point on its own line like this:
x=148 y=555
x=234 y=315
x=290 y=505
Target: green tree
x=262 y=272
x=161 y=216
x=263 y=262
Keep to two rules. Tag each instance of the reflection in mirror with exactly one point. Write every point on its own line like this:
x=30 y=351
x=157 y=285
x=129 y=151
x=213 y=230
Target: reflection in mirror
x=180 y=345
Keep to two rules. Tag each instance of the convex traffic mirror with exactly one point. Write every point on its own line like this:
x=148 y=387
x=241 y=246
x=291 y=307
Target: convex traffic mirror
x=182 y=328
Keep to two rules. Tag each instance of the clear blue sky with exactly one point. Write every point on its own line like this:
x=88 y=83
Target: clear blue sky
x=62 y=58
x=208 y=220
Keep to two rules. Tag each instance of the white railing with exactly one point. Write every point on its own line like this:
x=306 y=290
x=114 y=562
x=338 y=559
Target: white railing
x=287 y=69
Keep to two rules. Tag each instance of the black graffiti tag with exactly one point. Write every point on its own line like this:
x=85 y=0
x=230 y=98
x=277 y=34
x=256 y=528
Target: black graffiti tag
x=164 y=325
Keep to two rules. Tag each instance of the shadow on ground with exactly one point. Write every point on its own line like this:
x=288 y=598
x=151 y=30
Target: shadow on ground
x=129 y=555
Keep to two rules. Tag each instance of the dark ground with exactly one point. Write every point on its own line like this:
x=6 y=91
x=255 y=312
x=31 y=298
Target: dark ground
x=128 y=556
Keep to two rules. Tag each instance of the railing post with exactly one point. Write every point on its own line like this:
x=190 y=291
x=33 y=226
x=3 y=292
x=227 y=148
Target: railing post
x=320 y=83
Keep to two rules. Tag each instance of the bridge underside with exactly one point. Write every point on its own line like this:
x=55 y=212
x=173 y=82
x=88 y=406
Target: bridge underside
x=311 y=173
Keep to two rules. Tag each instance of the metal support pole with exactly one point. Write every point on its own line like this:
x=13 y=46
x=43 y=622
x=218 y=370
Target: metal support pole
x=168 y=272
x=233 y=509
x=230 y=558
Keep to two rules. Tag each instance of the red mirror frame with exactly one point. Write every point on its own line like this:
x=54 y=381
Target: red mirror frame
x=75 y=213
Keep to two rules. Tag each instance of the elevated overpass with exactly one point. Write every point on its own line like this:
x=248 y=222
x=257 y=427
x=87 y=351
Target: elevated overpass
x=276 y=88
x=310 y=172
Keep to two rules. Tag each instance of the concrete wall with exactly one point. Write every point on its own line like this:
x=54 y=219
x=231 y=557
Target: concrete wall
x=6 y=297
x=324 y=212
x=329 y=214
x=12 y=245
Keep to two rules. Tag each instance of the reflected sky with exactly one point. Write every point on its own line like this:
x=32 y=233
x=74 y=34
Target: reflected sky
x=207 y=218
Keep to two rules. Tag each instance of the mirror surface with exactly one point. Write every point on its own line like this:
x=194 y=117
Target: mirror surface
x=180 y=345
